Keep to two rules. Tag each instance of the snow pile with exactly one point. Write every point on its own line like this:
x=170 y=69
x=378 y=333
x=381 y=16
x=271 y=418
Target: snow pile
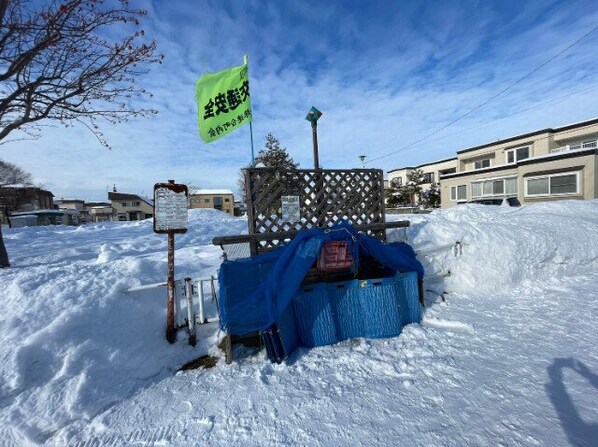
x=511 y=247
x=508 y=359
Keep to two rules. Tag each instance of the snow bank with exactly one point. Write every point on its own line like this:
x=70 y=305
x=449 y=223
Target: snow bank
x=85 y=363
x=511 y=247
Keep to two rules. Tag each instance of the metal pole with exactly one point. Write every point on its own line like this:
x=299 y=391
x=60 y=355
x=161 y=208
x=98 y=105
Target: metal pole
x=170 y=329
x=190 y=314
x=202 y=319
x=252 y=153
x=314 y=131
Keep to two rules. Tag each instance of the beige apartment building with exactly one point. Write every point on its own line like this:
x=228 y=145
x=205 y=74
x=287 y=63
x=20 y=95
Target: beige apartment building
x=548 y=164
x=432 y=173
x=220 y=199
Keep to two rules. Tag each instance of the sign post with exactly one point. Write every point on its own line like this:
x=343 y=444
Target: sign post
x=170 y=217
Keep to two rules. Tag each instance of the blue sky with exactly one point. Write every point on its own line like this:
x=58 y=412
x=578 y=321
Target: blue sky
x=385 y=74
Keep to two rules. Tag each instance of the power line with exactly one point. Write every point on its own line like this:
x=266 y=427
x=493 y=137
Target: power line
x=540 y=104
x=488 y=100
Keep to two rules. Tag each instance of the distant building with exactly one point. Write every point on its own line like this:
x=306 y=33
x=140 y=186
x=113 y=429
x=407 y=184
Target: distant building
x=219 y=199
x=74 y=204
x=544 y=165
x=100 y=211
x=127 y=206
x=432 y=172
x=44 y=217
x=18 y=199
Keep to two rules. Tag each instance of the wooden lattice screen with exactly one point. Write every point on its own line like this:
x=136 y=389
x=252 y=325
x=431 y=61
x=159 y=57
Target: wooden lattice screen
x=325 y=196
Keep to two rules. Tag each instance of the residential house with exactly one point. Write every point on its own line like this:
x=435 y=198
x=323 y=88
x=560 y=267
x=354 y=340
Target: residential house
x=18 y=199
x=130 y=206
x=220 y=199
x=74 y=204
x=100 y=211
x=547 y=164
x=432 y=172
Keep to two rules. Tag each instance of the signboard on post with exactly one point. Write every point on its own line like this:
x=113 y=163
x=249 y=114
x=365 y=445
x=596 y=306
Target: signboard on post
x=170 y=208
x=170 y=217
x=290 y=209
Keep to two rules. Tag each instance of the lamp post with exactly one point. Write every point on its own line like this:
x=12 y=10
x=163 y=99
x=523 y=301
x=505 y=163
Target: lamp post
x=362 y=158
x=313 y=116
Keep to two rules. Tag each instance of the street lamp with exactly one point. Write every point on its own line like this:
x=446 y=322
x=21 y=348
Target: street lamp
x=362 y=158
x=313 y=116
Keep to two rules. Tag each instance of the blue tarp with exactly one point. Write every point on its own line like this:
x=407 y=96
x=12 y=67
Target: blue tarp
x=255 y=291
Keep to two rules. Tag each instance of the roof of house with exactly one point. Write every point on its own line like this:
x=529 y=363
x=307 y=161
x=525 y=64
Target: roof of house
x=118 y=196
x=63 y=200
x=198 y=192
x=18 y=186
x=424 y=164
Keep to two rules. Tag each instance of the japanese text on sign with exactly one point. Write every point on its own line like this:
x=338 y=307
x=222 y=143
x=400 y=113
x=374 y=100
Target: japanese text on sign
x=170 y=210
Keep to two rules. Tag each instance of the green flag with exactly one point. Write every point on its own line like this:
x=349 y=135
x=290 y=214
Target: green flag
x=223 y=102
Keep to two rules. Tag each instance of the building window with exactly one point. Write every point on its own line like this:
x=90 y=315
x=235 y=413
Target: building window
x=196 y=200
x=428 y=177
x=554 y=185
x=227 y=200
x=135 y=203
x=396 y=182
x=122 y=217
x=517 y=154
x=479 y=164
x=459 y=193
x=494 y=187
x=207 y=200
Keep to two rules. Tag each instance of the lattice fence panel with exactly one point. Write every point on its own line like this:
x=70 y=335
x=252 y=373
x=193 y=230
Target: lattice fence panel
x=325 y=197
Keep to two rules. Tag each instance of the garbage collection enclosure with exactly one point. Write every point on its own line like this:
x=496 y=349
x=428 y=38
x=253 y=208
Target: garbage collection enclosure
x=325 y=229
x=287 y=201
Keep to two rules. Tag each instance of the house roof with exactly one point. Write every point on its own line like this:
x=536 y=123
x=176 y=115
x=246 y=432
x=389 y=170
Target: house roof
x=35 y=188
x=63 y=200
x=424 y=164
x=118 y=196
x=198 y=192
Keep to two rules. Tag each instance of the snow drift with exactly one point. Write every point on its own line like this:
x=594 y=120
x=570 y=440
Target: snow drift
x=84 y=362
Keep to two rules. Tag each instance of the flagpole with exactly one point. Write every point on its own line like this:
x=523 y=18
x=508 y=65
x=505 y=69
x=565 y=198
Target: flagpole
x=246 y=62
x=252 y=154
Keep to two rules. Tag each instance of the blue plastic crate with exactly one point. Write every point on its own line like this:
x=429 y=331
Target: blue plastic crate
x=347 y=310
x=380 y=308
x=408 y=297
x=313 y=316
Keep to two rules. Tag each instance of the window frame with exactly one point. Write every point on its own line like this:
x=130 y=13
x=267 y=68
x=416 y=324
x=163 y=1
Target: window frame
x=481 y=161
x=549 y=177
x=514 y=152
x=492 y=181
x=428 y=177
x=455 y=193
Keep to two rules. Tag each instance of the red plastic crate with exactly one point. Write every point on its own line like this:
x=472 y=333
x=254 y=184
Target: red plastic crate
x=335 y=256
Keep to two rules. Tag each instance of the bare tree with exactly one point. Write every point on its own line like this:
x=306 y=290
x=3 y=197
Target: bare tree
x=10 y=175
x=58 y=63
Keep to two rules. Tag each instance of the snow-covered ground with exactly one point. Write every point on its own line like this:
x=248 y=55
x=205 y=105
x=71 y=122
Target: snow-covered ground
x=510 y=358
